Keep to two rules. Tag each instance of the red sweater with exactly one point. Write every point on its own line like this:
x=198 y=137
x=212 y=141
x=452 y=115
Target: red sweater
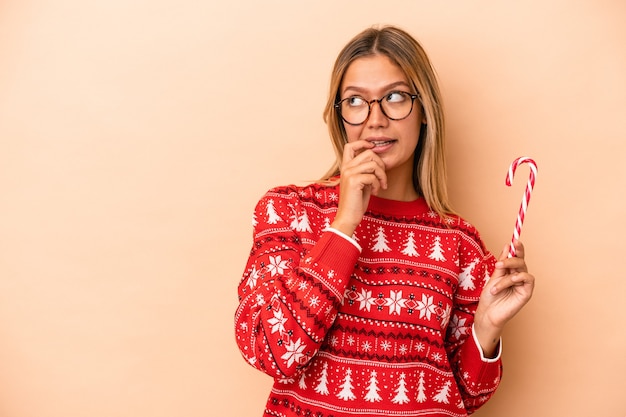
x=372 y=325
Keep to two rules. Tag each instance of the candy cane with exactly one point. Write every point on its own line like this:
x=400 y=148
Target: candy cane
x=524 y=206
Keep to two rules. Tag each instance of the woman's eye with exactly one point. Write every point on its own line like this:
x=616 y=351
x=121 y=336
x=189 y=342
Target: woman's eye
x=356 y=101
x=395 y=97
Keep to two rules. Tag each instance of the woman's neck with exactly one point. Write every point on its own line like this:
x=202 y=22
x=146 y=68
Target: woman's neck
x=399 y=187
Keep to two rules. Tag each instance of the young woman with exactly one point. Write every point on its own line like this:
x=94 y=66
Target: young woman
x=365 y=294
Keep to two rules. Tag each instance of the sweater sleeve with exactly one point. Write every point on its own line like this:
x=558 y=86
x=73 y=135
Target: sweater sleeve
x=291 y=289
x=477 y=377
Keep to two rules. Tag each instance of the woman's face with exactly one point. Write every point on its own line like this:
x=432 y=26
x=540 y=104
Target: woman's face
x=373 y=77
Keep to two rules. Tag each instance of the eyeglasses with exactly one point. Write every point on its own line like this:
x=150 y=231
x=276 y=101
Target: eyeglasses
x=355 y=110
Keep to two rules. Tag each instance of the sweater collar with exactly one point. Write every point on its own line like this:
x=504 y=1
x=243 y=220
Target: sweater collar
x=398 y=208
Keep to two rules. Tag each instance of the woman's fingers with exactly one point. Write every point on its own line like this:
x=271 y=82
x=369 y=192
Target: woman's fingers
x=519 y=249
x=358 y=160
x=510 y=272
x=514 y=264
x=362 y=174
x=366 y=173
x=352 y=149
x=520 y=279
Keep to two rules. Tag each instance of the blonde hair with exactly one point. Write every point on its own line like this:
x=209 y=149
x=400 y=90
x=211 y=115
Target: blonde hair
x=429 y=176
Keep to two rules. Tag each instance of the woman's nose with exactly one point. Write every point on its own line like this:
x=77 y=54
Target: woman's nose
x=377 y=117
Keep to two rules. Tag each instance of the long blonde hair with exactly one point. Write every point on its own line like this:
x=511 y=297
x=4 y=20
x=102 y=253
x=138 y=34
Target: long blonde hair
x=429 y=175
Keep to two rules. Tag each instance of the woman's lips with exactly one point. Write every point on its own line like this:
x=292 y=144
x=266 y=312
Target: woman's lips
x=381 y=145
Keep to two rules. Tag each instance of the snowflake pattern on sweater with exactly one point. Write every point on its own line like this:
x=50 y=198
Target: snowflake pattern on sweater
x=381 y=325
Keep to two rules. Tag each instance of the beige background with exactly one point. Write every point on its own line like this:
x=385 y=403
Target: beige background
x=136 y=137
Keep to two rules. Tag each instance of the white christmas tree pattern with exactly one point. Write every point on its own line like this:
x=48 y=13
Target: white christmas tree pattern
x=346 y=388
x=322 y=382
x=401 y=390
x=421 y=389
x=303 y=224
x=466 y=279
x=299 y=223
x=443 y=396
x=295 y=221
x=253 y=277
x=372 y=389
x=436 y=249
x=272 y=216
x=381 y=241
x=302 y=382
x=409 y=247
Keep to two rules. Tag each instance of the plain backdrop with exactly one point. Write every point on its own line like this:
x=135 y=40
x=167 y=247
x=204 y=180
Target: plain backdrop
x=136 y=137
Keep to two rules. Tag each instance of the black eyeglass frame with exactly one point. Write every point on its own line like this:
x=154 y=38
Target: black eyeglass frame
x=369 y=106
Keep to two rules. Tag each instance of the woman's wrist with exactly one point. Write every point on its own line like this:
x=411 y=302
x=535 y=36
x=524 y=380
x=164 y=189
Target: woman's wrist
x=344 y=227
x=487 y=335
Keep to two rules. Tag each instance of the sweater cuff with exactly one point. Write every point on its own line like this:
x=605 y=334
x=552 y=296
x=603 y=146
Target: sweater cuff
x=345 y=236
x=332 y=260
x=479 y=376
x=480 y=349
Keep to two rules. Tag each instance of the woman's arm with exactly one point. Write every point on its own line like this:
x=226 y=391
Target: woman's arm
x=477 y=374
x=508 y=290
x=478 y=320
x=289 y=296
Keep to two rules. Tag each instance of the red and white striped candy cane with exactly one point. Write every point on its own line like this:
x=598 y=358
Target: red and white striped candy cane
x=529 y=188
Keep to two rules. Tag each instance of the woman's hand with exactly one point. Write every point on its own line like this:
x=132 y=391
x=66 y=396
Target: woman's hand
x=508 y=290
x=362 y=174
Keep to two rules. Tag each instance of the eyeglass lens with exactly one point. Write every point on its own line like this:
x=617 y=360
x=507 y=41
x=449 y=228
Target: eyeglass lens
x=396 y=105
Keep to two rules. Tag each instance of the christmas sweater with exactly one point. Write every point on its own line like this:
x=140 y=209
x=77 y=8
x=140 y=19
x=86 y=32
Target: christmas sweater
x=379 y=323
